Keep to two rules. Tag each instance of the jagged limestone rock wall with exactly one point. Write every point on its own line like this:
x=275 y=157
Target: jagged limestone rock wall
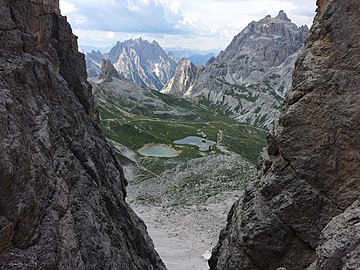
x=142 y=62
x=303 y=211
x=185 y=76
x=62 y=192
x=107 y=71
x=249 y=78
x=93 y=63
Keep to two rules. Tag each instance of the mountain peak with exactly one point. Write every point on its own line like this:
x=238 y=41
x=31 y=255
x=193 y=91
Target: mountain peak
x=154 y=42
x=316 y=166
x=282 y=16
x=139 y=61
x=108 y=71
x=185 y=76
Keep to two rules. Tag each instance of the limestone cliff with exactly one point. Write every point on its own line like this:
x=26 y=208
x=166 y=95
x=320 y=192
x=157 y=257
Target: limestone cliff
x=62 y=192
x=142 y=62
x=93 y=63
x=303 y=211
x=185 y=76
x=249 y=78
x=108 y=71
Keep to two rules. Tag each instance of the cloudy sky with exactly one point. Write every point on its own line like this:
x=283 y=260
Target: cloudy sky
x=198 y=24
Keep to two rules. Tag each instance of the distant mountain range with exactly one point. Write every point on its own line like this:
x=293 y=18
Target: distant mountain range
x=143 y=62
x=88 y=48
x=197 y=57
x=249 y=78
x=93 y=63
x=139 y=61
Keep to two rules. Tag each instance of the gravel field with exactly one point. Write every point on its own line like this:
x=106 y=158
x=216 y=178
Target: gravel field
x=184 y=229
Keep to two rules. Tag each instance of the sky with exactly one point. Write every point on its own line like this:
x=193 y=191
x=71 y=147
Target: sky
x=196 y=24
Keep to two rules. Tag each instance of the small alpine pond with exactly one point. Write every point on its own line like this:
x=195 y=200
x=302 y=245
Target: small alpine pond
x=158 y=150
x=203 y=144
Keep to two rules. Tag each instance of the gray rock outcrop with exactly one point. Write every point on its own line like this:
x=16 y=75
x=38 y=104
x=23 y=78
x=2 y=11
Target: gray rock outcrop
x=107 y=71
x=249 y=78
x=185 y=76
x=303 y=211
x=62 y=192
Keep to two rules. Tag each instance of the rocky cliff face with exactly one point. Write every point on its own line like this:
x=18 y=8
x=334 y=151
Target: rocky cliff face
x=303 y=211
x=250 y=77
x=107 y=71
x=139 y=61
x=185 y=76
x=62 y=191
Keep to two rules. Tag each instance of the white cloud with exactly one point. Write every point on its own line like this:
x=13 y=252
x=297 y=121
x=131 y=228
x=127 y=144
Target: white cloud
x=67 y=7
x=175 y=6
x=174 y=23
x=151 y=16
x=134 y=7
x=111 y=35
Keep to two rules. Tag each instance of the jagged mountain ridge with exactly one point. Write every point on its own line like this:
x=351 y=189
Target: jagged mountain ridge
x=139 y=61
x=197 y=57
x=249 y=78
x=303 y=210
x=62 y=192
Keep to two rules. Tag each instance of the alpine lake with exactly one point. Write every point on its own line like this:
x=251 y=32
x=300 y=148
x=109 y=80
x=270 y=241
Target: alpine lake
x=163 y=150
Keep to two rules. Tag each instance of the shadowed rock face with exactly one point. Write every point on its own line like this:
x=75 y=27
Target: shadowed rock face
x=303 y=211
x=62 y=192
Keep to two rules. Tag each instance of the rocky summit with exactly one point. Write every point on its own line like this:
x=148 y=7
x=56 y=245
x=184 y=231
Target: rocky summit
x=185 y=76
x=249 y=78
x=62 y=192
x=108 y=71
x=303 y=210
x=139 y=61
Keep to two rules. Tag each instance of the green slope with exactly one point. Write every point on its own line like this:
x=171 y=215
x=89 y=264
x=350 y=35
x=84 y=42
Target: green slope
x=134 y=116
